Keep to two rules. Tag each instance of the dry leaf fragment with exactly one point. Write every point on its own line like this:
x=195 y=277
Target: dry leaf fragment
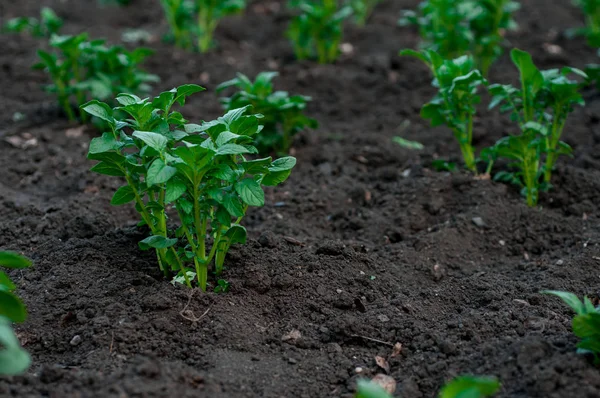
x=382 y=363
x=292 y=337
x=397 y=349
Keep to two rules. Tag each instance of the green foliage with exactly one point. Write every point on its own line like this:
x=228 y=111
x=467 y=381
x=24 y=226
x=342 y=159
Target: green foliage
x=196 y=20
x=470 y=387
x=362 y=9
x=81 y=69
x=454 y=28
x=455 y=104
x=317 y=31
x=591 y=9
x=48 y=24
x=201 y=170
x=586 y=324
x=408 y=144
x=13 y=358
x=283 y=114
x=222 y=286
x=369 y=389
x=540 y=107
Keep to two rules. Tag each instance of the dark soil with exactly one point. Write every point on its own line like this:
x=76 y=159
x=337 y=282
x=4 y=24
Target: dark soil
x=364 y=247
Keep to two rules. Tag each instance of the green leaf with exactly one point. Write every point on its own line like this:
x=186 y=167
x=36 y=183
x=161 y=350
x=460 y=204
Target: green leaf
x=156 y=242
x=105 y=143
x=232 y=149
x=275 y=178
x=108 y=169
x=100 y=110
x=233 y=205
x=470 y=386
x=13 y=359
x=404 y=143
x=13 y=260
x=236 y=234
x=251 y=192
x=159 y=172
x=283 y=164
x=369 y=389
x=12 y=307
x=225 y=137
x=155 y=141
x=123 y=195
x=570 y=299
x=185 y=91
x=5 y=283
x=174 y=190
x=258 y=166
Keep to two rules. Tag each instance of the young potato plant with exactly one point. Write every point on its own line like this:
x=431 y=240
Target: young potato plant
x=586 y=324
x=196 y=20
x=458 y=27
x=283 y=115
x=460 y=387
x=47 y=25
x=362 y=9
x=81 y=68
x=456 y=102
x=317 y=31
x=200 y=170
x=591 y=10
x=13 y=358
x=540 y=107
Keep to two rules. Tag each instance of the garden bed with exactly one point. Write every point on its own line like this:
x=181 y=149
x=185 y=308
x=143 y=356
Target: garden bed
x=363 y=247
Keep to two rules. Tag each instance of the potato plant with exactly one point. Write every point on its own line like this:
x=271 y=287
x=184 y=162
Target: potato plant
x=460 y=387
x=458 y=27
x=540 y=107
x=591 y=10
x=193 y=22
x=586 y=324
x=81 y=69
x=316 y=32
x=201 y=170
x=362 y=9
x=48 y=24
x=283 y=115
x=455 y=104
x=13 y=358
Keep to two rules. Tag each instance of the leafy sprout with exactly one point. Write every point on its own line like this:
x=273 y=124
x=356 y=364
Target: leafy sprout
x=13 y=359
x=48 y=24
x=317 y=31
x=283 y=115
x=591 y=10
x=586 y=324
x=196 y=20
x=82 y=69
x=540 y=107
x=470 y=387
x=204 y=171
x=363 y=9
x=454 y=28
x=455 y=104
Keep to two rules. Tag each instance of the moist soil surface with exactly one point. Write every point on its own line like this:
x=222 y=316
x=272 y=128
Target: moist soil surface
x=364 y=247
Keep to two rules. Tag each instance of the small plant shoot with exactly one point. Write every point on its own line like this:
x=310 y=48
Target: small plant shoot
x=540 y=107
x=363 y=9
x=200 y=170
x=283 y=115
x=586 y=324
x=47 y=25
x=591 y=10
x=454 y=28
x=82 y=69
x=455 y=104
x=470 y=387
x=370 y=389
x=193 y=22
x=13 y=358
x=317 y=31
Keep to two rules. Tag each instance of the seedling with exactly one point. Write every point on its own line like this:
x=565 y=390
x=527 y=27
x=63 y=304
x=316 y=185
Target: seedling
x=540 y=107
x=362 y=9
x=222 y=286
x=455 y=104
x=201 y=170
x=48 y=24
x=13 y=358
x=317 y=31
x=586 y=324
x=454 y=28
x=470 y=387
x=197 y=20
x=283 y=114
x=591 y=9
x=81 y=68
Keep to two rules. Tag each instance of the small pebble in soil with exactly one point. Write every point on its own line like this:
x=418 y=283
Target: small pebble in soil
x=560 y=262
x=76 y=340
x=383 y=318
x=478 y=221
x=358 y=370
